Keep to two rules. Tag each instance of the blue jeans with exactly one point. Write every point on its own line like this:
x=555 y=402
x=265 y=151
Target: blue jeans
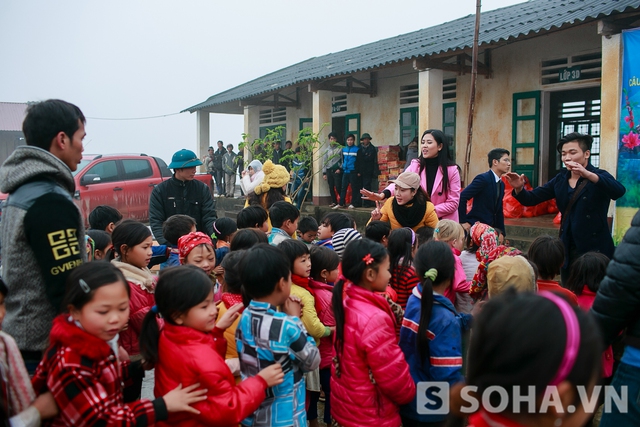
x=299 y=197
x=629 y=376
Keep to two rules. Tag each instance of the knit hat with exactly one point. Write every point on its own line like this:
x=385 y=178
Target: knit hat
x=485 y=237
x=510 y=271
x=275 y=176
x=479 y=284
x=342 y=237
x=190 y=241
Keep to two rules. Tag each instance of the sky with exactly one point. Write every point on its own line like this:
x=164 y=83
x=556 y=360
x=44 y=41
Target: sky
x=142 y=61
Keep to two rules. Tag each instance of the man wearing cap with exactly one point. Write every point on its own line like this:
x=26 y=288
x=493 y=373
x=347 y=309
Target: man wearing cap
x=366 y=168
x=182 y=194
x=410 y=206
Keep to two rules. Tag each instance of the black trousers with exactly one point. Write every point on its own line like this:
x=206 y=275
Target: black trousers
x=335 y=185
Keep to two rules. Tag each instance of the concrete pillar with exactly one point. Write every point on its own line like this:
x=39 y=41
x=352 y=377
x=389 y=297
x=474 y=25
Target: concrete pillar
x=610 y=92
x=203 y=135
x=430 y=100
x=321 y=113
x=610 y=89
x=247 y=131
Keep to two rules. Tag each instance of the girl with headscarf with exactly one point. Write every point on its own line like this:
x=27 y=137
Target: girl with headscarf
x=271 y=188
x=252 y=177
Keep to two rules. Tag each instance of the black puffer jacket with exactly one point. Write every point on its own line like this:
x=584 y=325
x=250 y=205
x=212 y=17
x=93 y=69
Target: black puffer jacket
x=173 y=197
x=617 y=304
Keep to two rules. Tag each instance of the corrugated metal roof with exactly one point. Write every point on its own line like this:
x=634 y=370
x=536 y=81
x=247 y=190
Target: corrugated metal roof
x=497 y=25
x=11 y=115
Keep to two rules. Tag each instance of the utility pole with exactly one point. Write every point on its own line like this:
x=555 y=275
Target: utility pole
x=472 y=95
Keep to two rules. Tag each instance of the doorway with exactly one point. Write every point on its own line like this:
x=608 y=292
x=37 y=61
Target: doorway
x=575 y=110
x=337 y=127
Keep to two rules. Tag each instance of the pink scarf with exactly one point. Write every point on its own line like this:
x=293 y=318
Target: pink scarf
x=18 y=388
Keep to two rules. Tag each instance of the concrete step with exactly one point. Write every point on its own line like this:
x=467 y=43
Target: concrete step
x=531 y=227
x=521 y=243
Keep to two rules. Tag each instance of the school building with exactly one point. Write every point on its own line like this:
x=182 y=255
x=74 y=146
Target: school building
x=546 y=68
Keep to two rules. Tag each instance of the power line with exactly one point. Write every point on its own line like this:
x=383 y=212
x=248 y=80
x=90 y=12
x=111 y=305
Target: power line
x=134 y=118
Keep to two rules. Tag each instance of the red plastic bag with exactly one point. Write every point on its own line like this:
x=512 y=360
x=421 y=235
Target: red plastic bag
x=510 y=206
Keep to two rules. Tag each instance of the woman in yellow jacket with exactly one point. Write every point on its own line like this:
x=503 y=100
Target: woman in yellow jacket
x=410 y=207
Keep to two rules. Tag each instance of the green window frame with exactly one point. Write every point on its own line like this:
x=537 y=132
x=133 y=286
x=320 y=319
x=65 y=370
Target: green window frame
x=283 y=132
x=525 y=135
x=449 y=115
x=408 y=125
x=306 y=122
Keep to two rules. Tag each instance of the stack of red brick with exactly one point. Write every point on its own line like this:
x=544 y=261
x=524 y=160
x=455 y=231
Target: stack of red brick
x=389 y=164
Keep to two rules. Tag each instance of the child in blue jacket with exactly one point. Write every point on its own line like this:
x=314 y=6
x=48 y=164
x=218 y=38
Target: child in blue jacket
x=431 y=333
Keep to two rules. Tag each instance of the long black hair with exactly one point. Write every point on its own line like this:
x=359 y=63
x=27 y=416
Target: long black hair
x=353 y=267
x=267 y=199
x=438 y=255
x=400 y=246
x=589 y=269
x=519 y=339
x=178 y=290
x=444 y=157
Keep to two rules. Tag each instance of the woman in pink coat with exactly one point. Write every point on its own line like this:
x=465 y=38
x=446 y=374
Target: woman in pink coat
x=439 y=176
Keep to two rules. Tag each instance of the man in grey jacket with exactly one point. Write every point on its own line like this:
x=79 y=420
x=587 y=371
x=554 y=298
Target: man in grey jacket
x=42 y=230
x=331 y=168
x=229 y=165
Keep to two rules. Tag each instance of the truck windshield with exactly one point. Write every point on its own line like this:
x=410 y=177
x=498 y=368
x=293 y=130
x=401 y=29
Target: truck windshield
x=83 y=164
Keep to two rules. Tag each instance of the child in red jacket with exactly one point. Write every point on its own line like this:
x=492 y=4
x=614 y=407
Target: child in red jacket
x=84 y=367
x=324 y=273
x=132 y=242
x=191 y=347
x=370 y=378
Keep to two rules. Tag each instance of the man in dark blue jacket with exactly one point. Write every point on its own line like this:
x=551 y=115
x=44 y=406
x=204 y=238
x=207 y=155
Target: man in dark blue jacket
x=585 y=227
x=349 y=176
x=487 y=192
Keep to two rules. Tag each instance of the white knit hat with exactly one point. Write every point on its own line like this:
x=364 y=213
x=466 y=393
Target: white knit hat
x=342 y=237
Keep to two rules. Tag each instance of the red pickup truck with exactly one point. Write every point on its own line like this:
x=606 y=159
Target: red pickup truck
x=122 y=181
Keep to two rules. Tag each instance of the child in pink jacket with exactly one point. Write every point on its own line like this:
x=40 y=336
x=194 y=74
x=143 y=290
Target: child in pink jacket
x=370 y=378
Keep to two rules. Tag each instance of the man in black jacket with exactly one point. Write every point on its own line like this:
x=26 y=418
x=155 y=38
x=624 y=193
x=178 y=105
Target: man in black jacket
x=366 y=168
x=182 y=194
x=218 y=171
x=616 y=307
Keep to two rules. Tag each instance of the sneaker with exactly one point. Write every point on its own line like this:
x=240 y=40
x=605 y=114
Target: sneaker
x=351 y=207
x=337 y=207
x=333 y=204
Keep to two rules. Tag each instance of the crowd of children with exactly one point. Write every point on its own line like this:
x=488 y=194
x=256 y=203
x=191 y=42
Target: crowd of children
x=256 y=325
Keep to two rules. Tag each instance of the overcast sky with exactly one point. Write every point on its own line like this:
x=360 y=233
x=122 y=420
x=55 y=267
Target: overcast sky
x=129 y=59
